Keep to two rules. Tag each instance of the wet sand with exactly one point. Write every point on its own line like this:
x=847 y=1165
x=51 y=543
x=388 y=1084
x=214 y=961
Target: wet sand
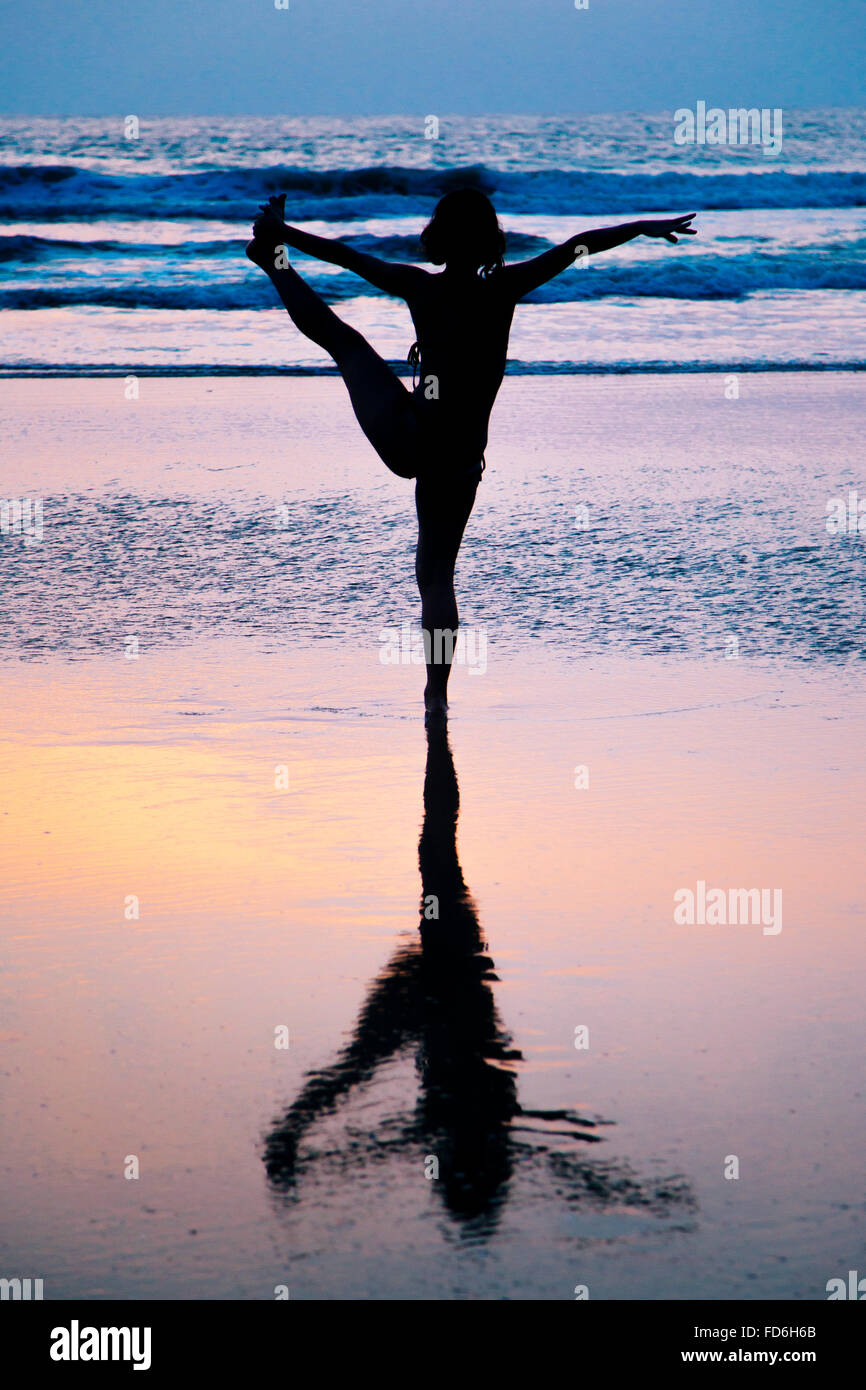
x=262 y=798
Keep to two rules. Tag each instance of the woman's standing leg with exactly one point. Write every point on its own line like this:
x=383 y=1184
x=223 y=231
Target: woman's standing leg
x=443 y=511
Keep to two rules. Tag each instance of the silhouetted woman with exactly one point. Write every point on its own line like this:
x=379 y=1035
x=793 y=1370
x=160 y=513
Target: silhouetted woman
x=436 y=433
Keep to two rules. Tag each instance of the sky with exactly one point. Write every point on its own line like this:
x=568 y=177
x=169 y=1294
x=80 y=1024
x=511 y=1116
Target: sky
x=382 y=57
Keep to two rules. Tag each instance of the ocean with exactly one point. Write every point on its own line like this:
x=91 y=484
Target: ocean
x=126 y=254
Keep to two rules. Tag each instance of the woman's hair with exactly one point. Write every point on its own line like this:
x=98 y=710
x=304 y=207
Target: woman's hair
x=464 y=227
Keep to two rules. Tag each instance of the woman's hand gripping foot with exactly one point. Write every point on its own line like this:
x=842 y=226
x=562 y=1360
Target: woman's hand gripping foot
x=268 y=230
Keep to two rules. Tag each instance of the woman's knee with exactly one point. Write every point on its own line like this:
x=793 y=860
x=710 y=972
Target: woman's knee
x=439 y=605
x=431 y=573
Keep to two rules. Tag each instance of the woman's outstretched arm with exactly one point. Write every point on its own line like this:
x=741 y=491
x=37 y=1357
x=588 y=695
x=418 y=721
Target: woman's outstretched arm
x=525 y=276
x=392 y=277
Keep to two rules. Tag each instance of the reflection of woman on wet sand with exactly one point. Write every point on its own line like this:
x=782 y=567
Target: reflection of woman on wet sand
x=435 y=997
x=437 y=433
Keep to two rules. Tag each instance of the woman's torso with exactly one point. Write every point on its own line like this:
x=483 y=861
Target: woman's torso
x=462 y=324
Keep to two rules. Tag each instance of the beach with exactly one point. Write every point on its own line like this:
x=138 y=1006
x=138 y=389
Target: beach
x=213 y=792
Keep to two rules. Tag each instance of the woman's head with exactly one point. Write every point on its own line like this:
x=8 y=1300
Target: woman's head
x=464 y=231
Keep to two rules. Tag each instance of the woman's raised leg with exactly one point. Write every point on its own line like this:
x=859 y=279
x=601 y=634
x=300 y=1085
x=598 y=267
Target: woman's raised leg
x=382 y=405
